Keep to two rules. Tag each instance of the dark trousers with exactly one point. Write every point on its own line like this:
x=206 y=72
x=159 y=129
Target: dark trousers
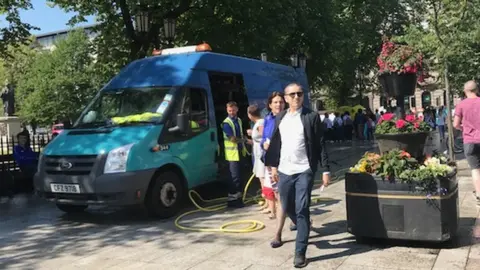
x=339 y=133
x=295 y=193
x=235 y=184
x=441 y=131
x=348 y=132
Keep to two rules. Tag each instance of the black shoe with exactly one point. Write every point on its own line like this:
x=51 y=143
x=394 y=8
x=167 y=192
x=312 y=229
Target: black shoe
x=293 y=227
x=235 y=204
x=299 y=261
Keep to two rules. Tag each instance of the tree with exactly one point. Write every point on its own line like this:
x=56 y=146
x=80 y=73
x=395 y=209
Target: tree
x=449 y=36
x=59 y=83
x=17 y=32
x=341 y=38
x=121 y=13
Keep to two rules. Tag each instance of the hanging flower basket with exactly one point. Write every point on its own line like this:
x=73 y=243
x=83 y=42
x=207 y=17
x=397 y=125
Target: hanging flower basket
x=399 y=67
x=395 y=85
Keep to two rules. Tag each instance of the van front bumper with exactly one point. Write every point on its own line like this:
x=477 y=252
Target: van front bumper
x=117 y=189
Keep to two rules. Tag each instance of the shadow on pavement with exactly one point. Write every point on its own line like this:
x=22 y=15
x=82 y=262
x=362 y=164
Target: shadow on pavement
x=32 y=230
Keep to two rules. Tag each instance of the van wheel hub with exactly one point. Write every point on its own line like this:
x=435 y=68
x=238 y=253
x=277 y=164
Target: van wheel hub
x=168 y=194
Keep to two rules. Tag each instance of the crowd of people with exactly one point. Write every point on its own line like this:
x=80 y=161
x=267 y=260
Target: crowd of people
x=361 y=126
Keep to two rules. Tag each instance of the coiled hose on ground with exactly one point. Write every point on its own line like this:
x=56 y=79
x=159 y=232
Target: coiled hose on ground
x=249 y=225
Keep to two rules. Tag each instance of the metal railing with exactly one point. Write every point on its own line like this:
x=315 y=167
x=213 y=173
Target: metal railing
x=7 y=143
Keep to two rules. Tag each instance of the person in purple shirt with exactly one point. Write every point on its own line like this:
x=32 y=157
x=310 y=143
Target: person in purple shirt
x=466 y=119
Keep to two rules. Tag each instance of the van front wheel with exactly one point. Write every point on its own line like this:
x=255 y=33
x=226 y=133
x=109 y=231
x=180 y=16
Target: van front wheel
x=165 y=196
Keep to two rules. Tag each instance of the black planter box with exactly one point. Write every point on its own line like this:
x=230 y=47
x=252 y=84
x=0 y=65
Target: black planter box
x=381 y=209
x=396 y=85
x=413 y=143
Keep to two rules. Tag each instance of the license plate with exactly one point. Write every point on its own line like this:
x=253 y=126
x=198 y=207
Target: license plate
x=65 y=188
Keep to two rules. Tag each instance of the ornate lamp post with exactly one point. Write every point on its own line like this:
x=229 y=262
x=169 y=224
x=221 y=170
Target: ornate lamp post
x=294 y=60
x=302 y=60
x=169 y=25
x=263 y=57
x=142 y=22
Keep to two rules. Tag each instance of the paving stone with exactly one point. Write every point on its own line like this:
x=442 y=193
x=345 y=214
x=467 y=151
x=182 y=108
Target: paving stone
x=382 y=259
x=473 y=264
x=451 y=259
x=221 y=265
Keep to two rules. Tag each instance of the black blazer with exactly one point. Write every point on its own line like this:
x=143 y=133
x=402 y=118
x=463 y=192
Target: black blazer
x=313 y=130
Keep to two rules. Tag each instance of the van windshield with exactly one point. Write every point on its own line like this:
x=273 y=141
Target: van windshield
x=126 y=107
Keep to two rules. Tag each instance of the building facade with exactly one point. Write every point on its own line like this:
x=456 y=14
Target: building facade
x=47 y=41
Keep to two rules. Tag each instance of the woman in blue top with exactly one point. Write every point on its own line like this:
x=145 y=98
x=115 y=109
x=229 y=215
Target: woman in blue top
x=276 y=104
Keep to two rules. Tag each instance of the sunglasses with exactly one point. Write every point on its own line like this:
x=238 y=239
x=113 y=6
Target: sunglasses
x=298 y=94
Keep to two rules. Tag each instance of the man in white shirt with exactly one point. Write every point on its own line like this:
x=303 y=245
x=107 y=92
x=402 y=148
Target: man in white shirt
x=296 y=148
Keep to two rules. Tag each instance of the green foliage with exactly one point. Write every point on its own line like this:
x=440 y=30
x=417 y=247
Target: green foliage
x=58 y=84
x=398 y=165
x=426 y=175
x=17 y=32
x=394 y=163
x=340 y=38
x=449 y=34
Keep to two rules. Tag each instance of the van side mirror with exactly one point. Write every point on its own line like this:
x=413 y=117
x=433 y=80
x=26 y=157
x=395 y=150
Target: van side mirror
x=182 y=124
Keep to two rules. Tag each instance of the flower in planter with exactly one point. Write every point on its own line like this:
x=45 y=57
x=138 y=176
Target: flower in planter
x=367 y=164
x=398 y=165
x=391 y=125
x=400 y=59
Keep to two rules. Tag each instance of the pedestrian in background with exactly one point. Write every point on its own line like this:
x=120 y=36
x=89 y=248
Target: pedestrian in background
x=466 y=119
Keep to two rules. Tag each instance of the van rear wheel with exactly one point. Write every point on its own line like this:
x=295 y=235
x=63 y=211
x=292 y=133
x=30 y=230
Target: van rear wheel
x=70 y=208
x=165 y=196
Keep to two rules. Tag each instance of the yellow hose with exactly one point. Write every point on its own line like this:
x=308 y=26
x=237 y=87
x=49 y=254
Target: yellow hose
x=249 y=225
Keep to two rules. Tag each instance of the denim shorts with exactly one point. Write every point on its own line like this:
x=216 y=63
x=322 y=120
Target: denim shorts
x=472 y=153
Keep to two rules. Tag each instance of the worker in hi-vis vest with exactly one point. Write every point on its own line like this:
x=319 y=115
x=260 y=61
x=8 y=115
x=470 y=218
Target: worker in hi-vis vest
x=235 y=153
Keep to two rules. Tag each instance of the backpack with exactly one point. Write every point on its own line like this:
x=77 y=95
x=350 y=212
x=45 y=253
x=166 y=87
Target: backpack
x=335 y=123
x=348 y=121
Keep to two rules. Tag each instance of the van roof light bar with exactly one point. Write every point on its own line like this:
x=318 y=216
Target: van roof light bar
x=204 y=47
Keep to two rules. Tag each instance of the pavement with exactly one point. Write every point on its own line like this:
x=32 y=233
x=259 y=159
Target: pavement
x=35 y=235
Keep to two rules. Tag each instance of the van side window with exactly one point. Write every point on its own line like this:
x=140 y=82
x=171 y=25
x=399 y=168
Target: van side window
x=198 y=110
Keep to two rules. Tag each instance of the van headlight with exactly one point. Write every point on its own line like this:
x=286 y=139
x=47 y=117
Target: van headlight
x=117 y=159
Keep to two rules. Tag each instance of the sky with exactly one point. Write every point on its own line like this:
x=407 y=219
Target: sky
x=46 y=18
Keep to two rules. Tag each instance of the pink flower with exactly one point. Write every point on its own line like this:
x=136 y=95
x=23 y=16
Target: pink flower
x=410 y=117
x=388 y=116
x=400 y=123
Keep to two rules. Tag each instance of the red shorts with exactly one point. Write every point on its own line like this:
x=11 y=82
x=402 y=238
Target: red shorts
x=268 y=193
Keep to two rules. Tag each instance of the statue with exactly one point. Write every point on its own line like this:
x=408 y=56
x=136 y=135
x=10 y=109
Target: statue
x=8 y=99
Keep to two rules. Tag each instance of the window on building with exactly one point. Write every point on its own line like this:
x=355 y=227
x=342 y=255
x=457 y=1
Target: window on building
x=320 y=105
x=383 y=101
x=407 y=102
x=413 y=102
x=426 y=99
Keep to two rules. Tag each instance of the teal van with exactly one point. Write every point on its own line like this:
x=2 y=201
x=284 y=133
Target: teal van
x=153 y=132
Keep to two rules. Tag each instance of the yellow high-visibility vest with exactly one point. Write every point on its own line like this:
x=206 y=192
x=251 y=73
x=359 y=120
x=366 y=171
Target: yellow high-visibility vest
x=231 y=148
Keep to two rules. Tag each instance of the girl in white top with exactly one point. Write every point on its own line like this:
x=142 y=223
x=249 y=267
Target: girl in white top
x=254 y=114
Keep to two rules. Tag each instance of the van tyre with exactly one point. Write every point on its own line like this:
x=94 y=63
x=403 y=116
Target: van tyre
x=165 y=196
x=71 y=208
